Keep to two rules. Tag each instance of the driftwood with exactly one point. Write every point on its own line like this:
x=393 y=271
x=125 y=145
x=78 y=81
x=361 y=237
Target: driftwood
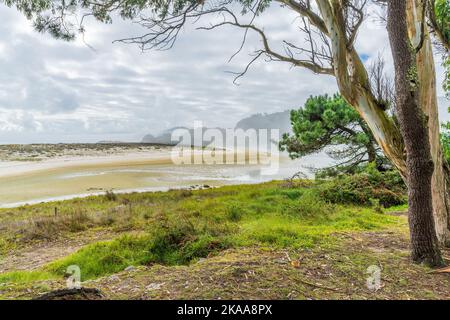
x=73 y=294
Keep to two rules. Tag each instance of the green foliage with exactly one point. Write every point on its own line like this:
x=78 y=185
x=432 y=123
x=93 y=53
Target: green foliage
x=234 y=213
x=168 y=241
x=366 y=187
x=308 y=205
x=25 y=276
x=442 y=26
x=445 y=140
x=110 y=195
x=49 y=15
x=446 y=83
x=442 y=12
x=176 y=227
x=105 y=257
x=62 y=18
x=331 y=124
x=180 y=240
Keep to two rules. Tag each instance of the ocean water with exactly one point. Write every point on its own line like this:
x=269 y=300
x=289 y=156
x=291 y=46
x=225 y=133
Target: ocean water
x=70 y=182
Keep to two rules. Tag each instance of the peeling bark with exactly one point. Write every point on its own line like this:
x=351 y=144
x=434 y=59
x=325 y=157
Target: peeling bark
x=354 y=85
x=414 y=129
x=428 y=103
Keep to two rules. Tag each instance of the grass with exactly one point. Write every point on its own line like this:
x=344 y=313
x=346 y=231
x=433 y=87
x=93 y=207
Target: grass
x=25 y=277
x=105 y=257
x=179 y=226
x=398 y=208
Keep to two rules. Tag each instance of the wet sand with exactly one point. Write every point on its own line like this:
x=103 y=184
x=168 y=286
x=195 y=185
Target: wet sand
x=68 y=177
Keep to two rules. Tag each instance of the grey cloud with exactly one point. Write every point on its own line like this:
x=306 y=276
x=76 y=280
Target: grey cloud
x=73 y=93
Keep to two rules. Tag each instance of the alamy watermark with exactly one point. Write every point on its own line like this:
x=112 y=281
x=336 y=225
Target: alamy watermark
x=373 y=281
x=213 y=146
x=74 y=279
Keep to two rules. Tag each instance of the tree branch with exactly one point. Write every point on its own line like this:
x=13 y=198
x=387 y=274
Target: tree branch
x=314 y=67
x=305 y=10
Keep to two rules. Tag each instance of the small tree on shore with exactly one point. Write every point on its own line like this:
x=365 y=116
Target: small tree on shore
x=331 y=124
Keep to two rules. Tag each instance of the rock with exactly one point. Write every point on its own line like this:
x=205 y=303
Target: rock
x=130 y=268
x=113 y=278
x=154 y=286
x=280 y=261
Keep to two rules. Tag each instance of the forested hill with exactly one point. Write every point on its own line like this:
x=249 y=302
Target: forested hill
x=278 y=120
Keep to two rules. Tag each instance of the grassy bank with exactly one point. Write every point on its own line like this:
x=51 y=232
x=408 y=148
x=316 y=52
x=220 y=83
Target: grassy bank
x=183 y=227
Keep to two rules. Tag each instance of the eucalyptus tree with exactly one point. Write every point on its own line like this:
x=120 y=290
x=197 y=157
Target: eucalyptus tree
x=330 y=28
x=413 y=126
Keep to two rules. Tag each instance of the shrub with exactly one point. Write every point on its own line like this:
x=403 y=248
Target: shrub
x=110 y=195
x=365 y=187
x=179 y=241
x=170 y=241
x=234 y=213
x=292 y=193
x=202 y=247
x=309 y=205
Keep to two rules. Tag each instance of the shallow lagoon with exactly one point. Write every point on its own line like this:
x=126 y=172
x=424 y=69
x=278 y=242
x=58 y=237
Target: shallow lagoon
x=48 y=182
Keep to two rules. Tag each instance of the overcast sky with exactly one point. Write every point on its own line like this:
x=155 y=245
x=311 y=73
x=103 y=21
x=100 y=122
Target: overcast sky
x=52 y=91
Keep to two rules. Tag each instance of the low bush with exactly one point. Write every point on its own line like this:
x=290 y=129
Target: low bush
x=105 y=257
x=110 y=195
x=179 y=241
x=365 y=188
x=234 y=213
x=307 y=206
x=169 y=242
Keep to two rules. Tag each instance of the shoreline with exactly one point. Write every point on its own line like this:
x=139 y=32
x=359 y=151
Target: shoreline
x=80 y=173
x=10 y=169
x=85 y=195
x=120 y=191
x=162 y=156
x=64 y=178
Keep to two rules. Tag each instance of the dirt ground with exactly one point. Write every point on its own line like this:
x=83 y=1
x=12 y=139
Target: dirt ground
x=262 y=273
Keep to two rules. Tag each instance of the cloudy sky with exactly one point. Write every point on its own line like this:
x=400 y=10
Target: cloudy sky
x=52 y=91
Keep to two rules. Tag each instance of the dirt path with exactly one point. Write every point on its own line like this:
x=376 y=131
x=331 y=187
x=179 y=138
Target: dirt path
x=38 y=254
x=260 y=273
x=257 y=273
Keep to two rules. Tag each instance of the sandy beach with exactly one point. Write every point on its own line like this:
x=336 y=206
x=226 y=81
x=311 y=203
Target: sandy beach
x=40 y=173
x=79 y=174
x=21 y=168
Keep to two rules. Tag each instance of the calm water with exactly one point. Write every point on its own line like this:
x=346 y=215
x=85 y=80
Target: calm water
x=65 y=183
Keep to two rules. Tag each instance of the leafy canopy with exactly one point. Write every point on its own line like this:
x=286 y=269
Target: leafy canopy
x=441 y=25
x=331 y=124
x=61 y=18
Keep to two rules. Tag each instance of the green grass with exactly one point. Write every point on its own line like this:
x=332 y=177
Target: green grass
x=26 y=276
x=105 y=257
x=401 y=207
x=179 y=226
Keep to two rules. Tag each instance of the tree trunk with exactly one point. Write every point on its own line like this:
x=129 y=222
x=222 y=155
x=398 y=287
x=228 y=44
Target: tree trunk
x=372 y=155
x=354 y=86
x=428 y=102
x=414 y=130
